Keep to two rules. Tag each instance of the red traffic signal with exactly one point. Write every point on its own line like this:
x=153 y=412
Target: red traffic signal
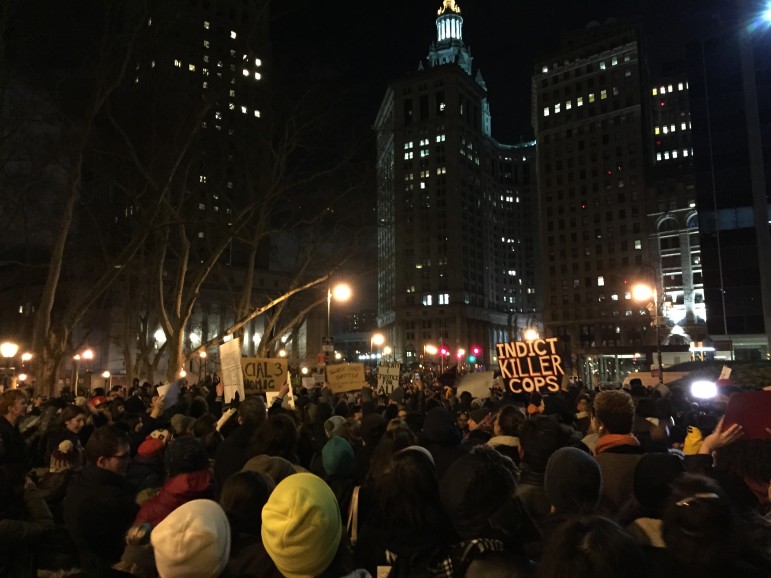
x=475 y=350
x=444 y=351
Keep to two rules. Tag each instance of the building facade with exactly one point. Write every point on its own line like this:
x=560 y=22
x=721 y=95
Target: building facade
x=453 y=269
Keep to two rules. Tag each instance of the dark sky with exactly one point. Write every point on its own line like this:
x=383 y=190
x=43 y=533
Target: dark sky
x=365 y=45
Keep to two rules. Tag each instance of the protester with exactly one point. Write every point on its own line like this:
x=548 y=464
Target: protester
x=99 y=506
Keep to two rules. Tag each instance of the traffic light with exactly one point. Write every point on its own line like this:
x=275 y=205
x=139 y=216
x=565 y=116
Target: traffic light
x=444 y=352
x=475 y=350
x=472 y=359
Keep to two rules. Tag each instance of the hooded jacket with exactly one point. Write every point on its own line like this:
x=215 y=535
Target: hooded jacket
x=176 y=491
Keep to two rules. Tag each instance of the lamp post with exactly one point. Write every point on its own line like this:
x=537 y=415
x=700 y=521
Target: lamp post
x=75 y=371
x=8 y=350
x=387 y=351
x=107 y=380
x=378 y=339
x=340 y=292
x=645 y=293
x=201 y=362
x=530 y=334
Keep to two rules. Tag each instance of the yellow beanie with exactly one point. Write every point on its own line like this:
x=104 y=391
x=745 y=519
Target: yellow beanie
x=301 y=526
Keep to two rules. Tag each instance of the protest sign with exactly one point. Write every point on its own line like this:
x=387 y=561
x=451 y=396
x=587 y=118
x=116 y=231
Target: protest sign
x=264 y=374
x=345 y=377
x=388 y=376
x=528 y=366
x=478 y=384
x=309 y=382
x=232 y=376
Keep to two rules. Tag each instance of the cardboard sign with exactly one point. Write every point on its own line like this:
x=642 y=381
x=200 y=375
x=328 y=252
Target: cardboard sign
x=309 y=382
x=725 y=373
x=345 y=377
x=478 y=384
x=264 y=374
x=388 y=373
x=232 y=376
x=528 y=366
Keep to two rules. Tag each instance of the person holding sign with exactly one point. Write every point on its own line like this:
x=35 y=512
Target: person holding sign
x=531 y=366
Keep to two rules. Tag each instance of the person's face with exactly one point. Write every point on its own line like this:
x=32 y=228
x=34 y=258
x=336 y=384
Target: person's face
x=582 y=405
x=17 y=410
x=402 y=414
x=76 y=423
x=118 y=462
x=463 y=421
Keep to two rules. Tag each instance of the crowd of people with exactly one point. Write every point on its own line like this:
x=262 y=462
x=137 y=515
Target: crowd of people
x=420 y=481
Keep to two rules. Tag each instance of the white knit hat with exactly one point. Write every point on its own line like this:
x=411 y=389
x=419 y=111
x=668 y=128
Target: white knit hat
x=193 y=541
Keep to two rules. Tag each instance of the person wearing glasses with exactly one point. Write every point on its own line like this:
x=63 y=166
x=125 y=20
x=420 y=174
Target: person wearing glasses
x=99 y=506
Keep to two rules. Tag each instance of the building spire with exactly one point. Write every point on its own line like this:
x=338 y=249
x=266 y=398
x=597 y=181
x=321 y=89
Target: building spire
x=449 y=6
x=448 y=47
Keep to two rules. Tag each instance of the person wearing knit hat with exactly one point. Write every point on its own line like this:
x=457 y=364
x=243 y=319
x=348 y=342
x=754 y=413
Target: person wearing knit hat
x=274 y=467
x=339 y=463
x=65 y=457
x=479 y=494
x=187 y=465
x=301 y=526
x=193 y=541
x=573 y=482
x=332 y=425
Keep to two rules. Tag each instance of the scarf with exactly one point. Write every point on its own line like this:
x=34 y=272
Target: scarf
x=613 y=441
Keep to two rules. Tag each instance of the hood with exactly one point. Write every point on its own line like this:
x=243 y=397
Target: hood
x=188 y=485
x=440 y=427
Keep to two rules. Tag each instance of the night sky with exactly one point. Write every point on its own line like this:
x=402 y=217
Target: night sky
x=364 y=45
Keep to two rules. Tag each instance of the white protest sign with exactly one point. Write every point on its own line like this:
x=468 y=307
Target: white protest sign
x=725 y=373
x=388 y=375
x=309 y=381
x=478 y=384
x=345 y=377
x=232 y=375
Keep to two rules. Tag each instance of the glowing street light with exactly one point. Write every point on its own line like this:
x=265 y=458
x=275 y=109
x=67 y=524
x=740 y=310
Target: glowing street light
x=341 y=292
x=8 y=349
x=642 y=293
x=282 y=352
x=530 y=334
x=25 y=357
x=387 y=351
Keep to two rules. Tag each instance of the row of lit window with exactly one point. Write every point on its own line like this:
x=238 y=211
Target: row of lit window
x=424 y=142
x=666 y=129
x=669 y=88
x=579 y=102
x=510 y=199
x=207 y=26
x=442 y=299
x=667 y=155
x=603 y=63
x=205 y=71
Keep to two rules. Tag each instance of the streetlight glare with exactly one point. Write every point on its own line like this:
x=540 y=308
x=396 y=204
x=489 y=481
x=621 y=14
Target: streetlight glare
x=387 y=350
x=22 y=377
x=430 y=349
x=8 y=349
x=767 y=14
x=202 y=354
x=378 y=339
x=703 y=389
x=105 y=374
x=88 y=354
x=342 y=292
x=642 y=292
x=531 y=334
x=182 y=373
x=26 y=356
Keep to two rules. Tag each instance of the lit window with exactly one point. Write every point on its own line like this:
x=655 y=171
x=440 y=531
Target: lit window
x=614 y=297
x=427 y=300
x=685 y=152
x=205 y=24
x=424 y=142
x=201 y=178
x=656 y=130
x=674 y=154
x=614 y=61
x=669 y=88
x=407 y=156
x=679 y=86
x=218 y=115
x=257 y=62
x=191 y=67
x=546 y=111
x=243 y=109
x=201 y=207
x=257 y=113
x=200 y=234
x=663 y=90
x=569 y=105
x=231 y=106
x=591 y=97
x=177 y=63
x=658 y=156
x=205 y=84
x=666 y=130
x=544 y=69
x=683 y=126
x=233 y=34
x=603 y=94
x=440 y=138
x=666 y=156
x=245 y=72
x=408 y=145
x=580 y=101
x=557 y=108
x=602 y=65
x=672 y=128
x=638 y=244
x=444 y=299
x=600 y=281
x=655 y=91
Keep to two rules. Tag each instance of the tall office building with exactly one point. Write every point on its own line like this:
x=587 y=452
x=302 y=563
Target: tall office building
x=673 y=219
x=588 y=117
x=730 y=85
x=453 y=268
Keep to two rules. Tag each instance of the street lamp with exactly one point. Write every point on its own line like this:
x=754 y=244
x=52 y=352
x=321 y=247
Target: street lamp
x=643 y=293
x=8 y=350
x=340 y=292
x=201 y=361
x=107 y=379
x=530 y=334
x=378 y=339
x=282 y=352
x=387 y=351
